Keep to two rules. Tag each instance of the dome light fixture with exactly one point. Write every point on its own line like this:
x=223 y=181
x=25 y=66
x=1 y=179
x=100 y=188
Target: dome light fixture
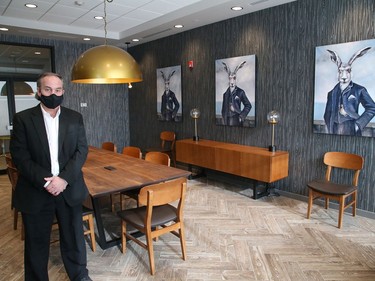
x=106 y=64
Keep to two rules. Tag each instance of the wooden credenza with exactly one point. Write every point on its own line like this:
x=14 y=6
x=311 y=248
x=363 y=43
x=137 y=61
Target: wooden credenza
x=251 y=162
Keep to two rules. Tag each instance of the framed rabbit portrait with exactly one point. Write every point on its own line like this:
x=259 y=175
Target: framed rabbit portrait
x=169 y=102
x=235 y=91
x=345 y=89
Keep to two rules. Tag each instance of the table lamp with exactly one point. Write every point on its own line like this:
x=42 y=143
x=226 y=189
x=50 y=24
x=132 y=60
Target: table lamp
x=195 y=113
x=273 y=117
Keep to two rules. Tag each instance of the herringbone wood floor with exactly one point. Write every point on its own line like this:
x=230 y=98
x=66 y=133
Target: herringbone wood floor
x=229 y=237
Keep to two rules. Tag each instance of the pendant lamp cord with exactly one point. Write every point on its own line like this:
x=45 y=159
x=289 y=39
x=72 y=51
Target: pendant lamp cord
x=105 y=22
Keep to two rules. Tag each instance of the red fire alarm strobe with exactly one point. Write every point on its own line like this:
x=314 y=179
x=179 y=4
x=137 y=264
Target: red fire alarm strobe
x=191 y=64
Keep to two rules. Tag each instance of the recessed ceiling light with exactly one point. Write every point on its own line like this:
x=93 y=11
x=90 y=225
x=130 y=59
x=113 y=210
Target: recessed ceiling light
x=37 y=53
x=236 y=8
x=4 y=29
x=86 y=39
x=99 y=17
x=135 y=40
x=31 y=6
x=178 y=26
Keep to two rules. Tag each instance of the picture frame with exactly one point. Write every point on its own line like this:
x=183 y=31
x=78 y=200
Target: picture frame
x=169 y=96
x=344 y=89
x=235 y=91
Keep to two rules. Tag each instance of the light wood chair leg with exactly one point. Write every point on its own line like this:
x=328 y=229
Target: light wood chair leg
x=150 y=249
x=327 y=202
x=123 y=236
x=92 y=232
x=309 y=206
x=182 y=241
x=341 y=211
x=354 y=206
x=89 y=218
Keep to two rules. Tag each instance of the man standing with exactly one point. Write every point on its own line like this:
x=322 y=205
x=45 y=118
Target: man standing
x=49 y=147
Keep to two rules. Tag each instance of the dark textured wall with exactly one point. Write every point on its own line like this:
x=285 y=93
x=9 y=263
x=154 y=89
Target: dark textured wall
x=107 y=115
x=283 y=39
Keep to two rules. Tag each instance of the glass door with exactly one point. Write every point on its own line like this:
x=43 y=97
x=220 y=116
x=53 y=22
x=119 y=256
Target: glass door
x=20 y=67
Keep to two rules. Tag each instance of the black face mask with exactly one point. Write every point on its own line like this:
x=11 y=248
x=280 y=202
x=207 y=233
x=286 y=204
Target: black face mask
x=51 y=101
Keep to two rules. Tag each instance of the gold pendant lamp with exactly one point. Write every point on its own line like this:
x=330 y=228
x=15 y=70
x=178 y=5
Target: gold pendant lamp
x=106 y=64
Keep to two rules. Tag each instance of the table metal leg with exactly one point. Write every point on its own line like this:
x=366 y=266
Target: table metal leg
x=102 y=241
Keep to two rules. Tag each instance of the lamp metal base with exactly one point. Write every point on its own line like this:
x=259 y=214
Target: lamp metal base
x=195 y=138
x=272 y=148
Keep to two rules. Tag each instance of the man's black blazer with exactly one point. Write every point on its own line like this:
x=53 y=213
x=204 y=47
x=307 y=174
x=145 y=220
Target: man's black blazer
x=30 y=153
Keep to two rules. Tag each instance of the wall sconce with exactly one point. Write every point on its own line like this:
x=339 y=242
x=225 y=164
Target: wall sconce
x=195 y=113
x=273 y=117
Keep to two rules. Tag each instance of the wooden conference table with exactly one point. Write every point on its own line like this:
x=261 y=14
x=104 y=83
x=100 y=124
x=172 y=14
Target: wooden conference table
x=106 y=172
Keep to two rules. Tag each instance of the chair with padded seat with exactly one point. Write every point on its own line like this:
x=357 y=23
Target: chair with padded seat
x=154 y=157
x=110 y=146
x=167 y=145
x=156 y=216
x=327 y=189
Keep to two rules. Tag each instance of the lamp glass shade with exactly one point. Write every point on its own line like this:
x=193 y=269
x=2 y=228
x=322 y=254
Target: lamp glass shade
x=273 y=117
x=195 y=113
x=106 y=64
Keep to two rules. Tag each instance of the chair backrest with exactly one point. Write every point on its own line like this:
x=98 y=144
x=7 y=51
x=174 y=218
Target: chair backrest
x=12 y=171
x=343 y=160
x=158 y=158
x=132 y=151
x=109 y=146
x=8 y=160
x=168 y=139
x=164 y=193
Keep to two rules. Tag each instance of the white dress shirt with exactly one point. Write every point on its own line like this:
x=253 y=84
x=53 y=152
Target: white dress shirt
x=52 y=128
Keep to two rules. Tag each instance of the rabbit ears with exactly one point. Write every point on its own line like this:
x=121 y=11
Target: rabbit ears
x=227 y=69
x=336 y=59
x=166 y=79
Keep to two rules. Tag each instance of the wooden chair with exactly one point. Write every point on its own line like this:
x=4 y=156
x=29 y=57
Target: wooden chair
x=87 y=213
x=88 y=224
x=337 y=191
x=132 y=151
x=13 y=177
x=135 y=152
x=154 y=157
x=158 y=158
x=154 y=215
x=111 y=147
x=167 y=145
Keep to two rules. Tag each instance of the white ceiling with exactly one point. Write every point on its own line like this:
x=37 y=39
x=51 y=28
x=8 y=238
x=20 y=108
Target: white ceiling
x=146 y=20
